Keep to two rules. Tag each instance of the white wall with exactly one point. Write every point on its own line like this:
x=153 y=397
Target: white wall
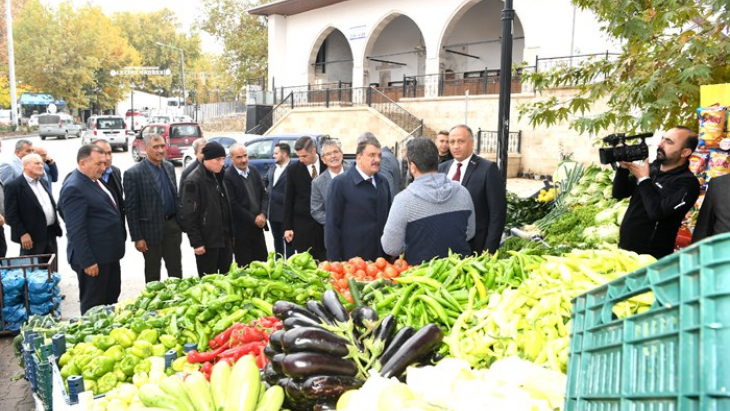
x=396 y=43
x=141 y=100
x=338 y=51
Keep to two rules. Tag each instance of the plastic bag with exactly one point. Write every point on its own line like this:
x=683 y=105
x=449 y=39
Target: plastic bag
x=41 y=308
x=38 y=281
x=15 y=313
x=13 y=287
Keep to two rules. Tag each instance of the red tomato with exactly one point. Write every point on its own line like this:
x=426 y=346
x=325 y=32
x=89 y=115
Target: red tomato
x=372 y=270
x=336 y=267
x=390 y=272
x=342 y=283
x=400 y=265
x=348 y=296
x=349 y=268
x=360 y=275
x=380 y=275
x=381 y=263
x=325 y=265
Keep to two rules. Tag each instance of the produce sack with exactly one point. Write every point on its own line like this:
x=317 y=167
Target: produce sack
x=712 y=125
x=13 y=283
x=44 y=307
x=38 y=281
x=719 y=163
x=15 y=313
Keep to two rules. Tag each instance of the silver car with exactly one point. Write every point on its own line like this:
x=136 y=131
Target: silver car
x=109 y=128
x=225 y=141
x=58 y=125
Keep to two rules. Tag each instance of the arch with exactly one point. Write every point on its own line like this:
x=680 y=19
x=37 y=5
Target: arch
x=340 y=52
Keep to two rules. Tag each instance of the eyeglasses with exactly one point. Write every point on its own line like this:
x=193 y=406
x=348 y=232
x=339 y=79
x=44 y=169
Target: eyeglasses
x=332 y=153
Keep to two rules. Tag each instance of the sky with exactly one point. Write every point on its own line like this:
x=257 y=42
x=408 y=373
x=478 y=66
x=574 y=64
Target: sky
x=186 y=10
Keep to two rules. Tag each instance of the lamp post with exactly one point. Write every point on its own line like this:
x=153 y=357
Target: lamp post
x=11 y=65
x=182 y=67
x=159 y=99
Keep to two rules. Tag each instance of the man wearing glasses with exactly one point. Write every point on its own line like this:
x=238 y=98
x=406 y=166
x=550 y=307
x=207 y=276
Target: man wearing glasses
x=333 y=158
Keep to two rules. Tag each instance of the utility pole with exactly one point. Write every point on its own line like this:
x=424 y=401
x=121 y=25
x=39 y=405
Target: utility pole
x=505 y=87
x=11 y=65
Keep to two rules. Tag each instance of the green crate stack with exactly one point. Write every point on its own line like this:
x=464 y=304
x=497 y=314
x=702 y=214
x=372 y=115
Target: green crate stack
x=44 y=376
x=675 y=356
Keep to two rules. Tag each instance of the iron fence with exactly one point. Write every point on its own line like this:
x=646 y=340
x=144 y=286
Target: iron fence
x=281 y=92
x=488 y=142
x=201 y=112
x=554 y=63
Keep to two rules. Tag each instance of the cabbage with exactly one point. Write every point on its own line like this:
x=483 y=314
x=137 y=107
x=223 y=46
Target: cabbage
x=604 y=233
x=606 y=216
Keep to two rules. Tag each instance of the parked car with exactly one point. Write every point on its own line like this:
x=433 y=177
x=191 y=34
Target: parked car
x=110 y=128
x=225 y=141
x=5 y=117
x=261 y=150
x=33 y=120
x=135 y=120
x=58 y=125
x=178 y=138
x=161 y=119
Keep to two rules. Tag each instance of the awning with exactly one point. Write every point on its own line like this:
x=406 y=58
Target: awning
x=39 y=99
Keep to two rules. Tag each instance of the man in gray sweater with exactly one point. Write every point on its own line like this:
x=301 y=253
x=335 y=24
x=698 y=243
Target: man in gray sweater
x=432 y=215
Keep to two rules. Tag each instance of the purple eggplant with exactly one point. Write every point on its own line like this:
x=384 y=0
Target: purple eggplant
x=270 y=352
x=329 y=387
x=332 y=303
x=275 y=340
x=271 y=376
x=325 y=406
x=284 y=309
x=385 y=330
x=400 y=337
x=307 y=364
x=423 y=341
x=295 y=399
x=318 y=309
x=296 y=320
x=363 y=316
x=277 y=363
x=314 y=339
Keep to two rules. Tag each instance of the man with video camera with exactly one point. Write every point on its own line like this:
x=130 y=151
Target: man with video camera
x=661 y=194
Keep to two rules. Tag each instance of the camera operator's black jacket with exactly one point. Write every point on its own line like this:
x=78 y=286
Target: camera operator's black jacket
x=656 y=209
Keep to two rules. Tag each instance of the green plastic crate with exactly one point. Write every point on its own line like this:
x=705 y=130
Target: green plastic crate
x=675 y=356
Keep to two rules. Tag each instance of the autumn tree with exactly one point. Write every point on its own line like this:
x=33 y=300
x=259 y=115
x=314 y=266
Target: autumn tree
x=669 y=49
x=16 y=6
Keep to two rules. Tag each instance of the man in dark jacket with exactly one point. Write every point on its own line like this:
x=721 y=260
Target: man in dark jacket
x=249 y=204
x=31 y=211
x=442 y=144
x=357 y=207
x=714 y=217
x=660 y=195
x=207 y=213
x=153 y=211
x=275 y=182
x=112 y=179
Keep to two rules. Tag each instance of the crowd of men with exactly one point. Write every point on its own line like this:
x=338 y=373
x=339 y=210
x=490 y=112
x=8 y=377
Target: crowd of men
x=321 y=204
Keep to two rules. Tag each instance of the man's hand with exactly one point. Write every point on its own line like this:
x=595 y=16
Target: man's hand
x=26 y=242
x=92 y=271
x=200 y=250
x=141 y=246
x=260 y=220
x=50 y=160
x=638 y=170
x=289 y=235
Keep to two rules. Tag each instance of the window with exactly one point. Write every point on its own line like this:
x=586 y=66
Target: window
x=184 y=131
x=48 y=119
x=224 y=141
x=291 y=146
x=109 y=123
x=259 y=150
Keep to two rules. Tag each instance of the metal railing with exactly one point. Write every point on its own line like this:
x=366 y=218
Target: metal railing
x=553 y=63
x=276 y=114
x=201 y=112
x=281 y=92
x=488 y=141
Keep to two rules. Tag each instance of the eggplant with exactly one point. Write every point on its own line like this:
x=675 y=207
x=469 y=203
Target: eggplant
x=325 y=406
x=270 y=375
x=294 y=398
x=314 y=339
x=295 y=321
x=400 y=337
x=422 y=342
x=277 y=363
x=329 y=387
x=269 y=351
x=275 y=340
x=363 y=316
x=284 y=309
x=318 y=309
x=385 y=330
x=332 y=303
x=307 y=364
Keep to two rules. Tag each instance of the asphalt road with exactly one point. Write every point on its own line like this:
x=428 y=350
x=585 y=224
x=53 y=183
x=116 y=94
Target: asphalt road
x=64 y=153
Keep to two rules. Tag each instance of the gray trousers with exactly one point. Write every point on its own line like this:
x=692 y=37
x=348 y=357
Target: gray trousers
x=169 y=249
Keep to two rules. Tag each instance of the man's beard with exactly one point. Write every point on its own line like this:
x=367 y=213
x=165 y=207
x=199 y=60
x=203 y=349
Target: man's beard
x=661 y=156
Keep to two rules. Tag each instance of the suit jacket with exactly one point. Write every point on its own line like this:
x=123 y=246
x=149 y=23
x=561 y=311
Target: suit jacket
x=277 y=192
x=24 y=213
x=390 y=171
x=297 y=208
x=116 y=187
x=714 y=217
x=489 y=194
x=145 y=214
x=11 y=168
x=93 y=223
x=356 y=216
x=243 y=217
x=319 y=194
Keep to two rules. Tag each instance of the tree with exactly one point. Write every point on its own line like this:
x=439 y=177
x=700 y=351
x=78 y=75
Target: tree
x=669 y=48
x=244 y=37
x=16 y=6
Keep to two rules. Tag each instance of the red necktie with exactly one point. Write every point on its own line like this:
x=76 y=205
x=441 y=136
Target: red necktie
x=457 y=174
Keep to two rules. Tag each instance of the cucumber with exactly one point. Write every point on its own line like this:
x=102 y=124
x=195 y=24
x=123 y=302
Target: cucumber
x=174 y=387
x=198 y=390
x=219 y=384
x=273 y=399
x=152 y=395
x=244 y=385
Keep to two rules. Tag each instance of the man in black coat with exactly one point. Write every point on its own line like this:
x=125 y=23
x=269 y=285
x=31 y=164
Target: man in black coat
x=249 y=204
x=31 y=211
x=112 y=178
x=300 y=227
x=714 y=217
x=357 y=207
x=484 y=182
x=275 y=182
x=207 y=213
x=153 y=211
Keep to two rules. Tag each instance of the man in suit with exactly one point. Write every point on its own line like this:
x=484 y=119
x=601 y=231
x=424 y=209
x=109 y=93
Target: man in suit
x=484 y=182
x=389 y=168
x=249 y=204
x=207 y=213
x=442 y=144
x=95 y=232
x=112 y=179
x=300 y=228
x=357 y=207
x=12 y=167
x=49 y=166
x=31 y=211
x=275 y=182
x=714 y=217
x=153 y=211
x=332 y=155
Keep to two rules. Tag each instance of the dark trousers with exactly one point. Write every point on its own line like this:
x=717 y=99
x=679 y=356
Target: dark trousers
x=46 y=247
x=104 y=289
x=215 y=260
x=251 y=248
x=277 y=231
x=169 y=250
x=3 y=243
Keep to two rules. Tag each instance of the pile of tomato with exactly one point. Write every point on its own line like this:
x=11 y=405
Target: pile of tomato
x=361 y=270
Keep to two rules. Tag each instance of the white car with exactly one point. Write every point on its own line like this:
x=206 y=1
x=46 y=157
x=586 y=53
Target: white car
x=33 y=120
x=225 y=141
x=110 y=128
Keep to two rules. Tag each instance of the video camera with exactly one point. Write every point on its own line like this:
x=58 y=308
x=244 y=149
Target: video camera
x=619 y=151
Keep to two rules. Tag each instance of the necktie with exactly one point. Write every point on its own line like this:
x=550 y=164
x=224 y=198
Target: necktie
x=114 y=203
x=314 y=172
x=457 y=174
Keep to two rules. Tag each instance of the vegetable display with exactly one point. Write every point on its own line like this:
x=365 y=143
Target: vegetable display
x=360 y=270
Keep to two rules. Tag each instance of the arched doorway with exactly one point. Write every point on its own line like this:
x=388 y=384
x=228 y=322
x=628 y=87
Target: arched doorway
x=395 y=56
x=470 y=50
x=330 y=63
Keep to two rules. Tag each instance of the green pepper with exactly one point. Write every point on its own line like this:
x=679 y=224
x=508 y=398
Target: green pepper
x=148 y=335
x=120 y=375
x=83 y=359
x=116 y=352
x=196 y=293
x=216 y=304
x=178 y=363
x=154 y=286
x=90 y=385
x=141 y=348
x=225 y=286
x=143 y=366
x=245 y=282
x=168 y=341
x=139 y=379
x=159 y=350
x=124 y=336
x=69 y=370
x=206 y=315
x=227 y=321
x=97 y=367
x=157 y=322
x=106 y=383
x=65 y=359
x=129 y=362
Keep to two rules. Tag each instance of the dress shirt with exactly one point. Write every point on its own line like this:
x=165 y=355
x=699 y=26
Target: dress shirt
x=452 y=169
x=105 y=175
x=317 y=166
x=332 y=173
x=166 y=190
x=43 y=198
x=365 y=176
x=278 y=171
x=242 y=173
